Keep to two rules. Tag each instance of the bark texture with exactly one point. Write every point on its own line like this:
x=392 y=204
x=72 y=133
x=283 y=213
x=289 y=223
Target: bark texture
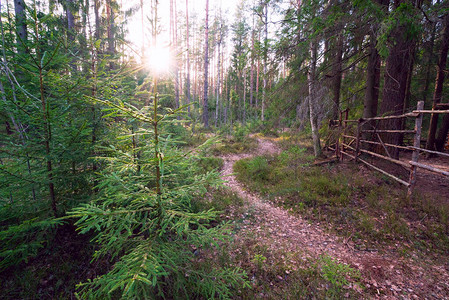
x=206 y=68
x=398 y=66
x=441 y=68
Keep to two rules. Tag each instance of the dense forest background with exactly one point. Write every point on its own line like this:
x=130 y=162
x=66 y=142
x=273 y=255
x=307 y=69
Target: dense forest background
x=92 y=138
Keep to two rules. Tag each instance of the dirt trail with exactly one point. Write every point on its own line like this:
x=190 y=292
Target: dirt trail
x=385 y=275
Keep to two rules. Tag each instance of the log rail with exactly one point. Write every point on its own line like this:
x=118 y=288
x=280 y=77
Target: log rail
x=351 y=131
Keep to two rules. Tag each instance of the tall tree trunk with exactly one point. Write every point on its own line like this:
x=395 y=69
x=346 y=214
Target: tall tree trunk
x=265 y=61
x=244 y=96
x=174 y=42
x=311 y=78
x=397 y=68
x=442 y=134
x=251 y=77
x=428 y=63
x=257 y=79
x=142 y=28
x=298 y=102
x=371 y=100
x=22 y=36
x=337 y=73
x=110 y=31
x=188 y=57
x=223 y=90
x=372 y=80
x=441 y=69
x=206 y=68
x=226 y=97
x=97 y=19
x=70 y=31
x=21 y=26
x=85 y=35
x=70 y=21
x=218 y=79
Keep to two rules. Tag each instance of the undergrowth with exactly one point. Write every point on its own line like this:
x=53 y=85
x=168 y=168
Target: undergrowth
x=276 y=274
x=273 y=273
x=234 y=145
x=370 y=212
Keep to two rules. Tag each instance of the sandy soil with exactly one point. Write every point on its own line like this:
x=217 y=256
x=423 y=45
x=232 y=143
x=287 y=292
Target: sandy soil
x=385 y=274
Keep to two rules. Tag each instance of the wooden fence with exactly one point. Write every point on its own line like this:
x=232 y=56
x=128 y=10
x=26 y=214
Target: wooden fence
x=351 y=137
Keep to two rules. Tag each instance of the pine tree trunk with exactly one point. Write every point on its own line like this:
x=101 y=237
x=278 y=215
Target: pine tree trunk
x=19 y=8
x=265 y=62
x=97 y=19
x=244 y=96
x=251 y=77
x=174 y=42
x=372 y=81
x=396 y=77
x=218 y=82
x=70 y=31
x=142 y=28
x=442 y=134
x=311 y=78
x=70 y=21
x=110 y=32
x=206 y=68
x=257 y=81
x=428 y=63
x=336 y=84
x=441 y=68
x=188 y=57
x=371 y=100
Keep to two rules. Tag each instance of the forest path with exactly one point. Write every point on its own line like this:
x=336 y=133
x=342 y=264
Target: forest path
x=385 y=274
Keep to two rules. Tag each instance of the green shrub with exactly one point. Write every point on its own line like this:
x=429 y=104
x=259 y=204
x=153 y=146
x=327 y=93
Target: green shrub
x=240 y=133
x=255 y=169
x=231 y=146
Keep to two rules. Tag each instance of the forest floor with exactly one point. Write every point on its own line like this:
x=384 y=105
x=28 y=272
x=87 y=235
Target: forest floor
x=292 y=240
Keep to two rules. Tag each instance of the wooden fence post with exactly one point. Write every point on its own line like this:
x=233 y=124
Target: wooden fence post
x=357 y=144
x=345 y=125
x=416 y=144
x=337 y=144
x=340 y=128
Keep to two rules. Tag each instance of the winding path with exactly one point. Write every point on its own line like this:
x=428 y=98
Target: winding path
x=385 y=275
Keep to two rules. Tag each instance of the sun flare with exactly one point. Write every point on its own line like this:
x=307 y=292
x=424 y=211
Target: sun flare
x=159 y=59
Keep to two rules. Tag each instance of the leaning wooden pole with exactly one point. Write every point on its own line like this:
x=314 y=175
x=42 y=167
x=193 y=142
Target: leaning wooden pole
x=416 y=144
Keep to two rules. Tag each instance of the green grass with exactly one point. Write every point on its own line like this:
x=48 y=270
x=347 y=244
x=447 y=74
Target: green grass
x=234 y=146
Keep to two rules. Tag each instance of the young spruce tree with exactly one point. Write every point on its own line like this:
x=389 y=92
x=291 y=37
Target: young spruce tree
x=144 y=219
